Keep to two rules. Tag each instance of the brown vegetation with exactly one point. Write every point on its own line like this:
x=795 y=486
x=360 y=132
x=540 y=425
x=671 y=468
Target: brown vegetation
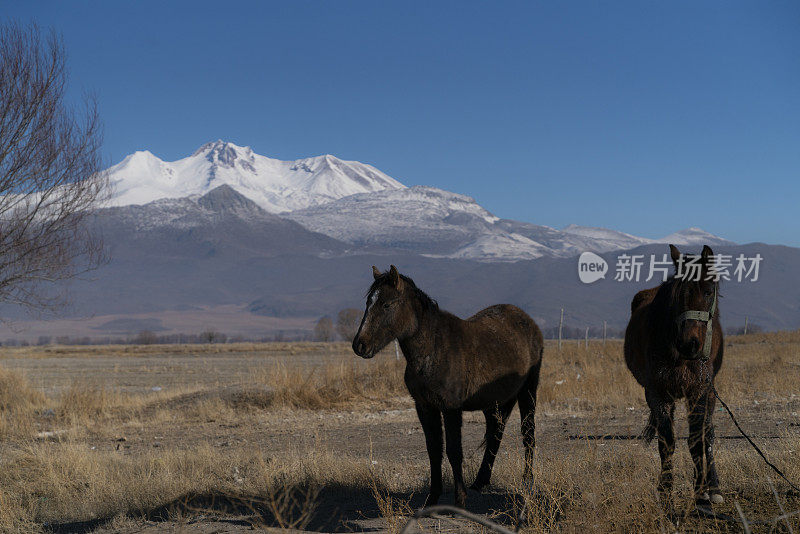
x=287 y=436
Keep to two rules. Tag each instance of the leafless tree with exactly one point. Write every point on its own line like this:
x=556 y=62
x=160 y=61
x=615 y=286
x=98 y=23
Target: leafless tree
x=146 y=337
x=323 y=330
x=50 y=171
x=347 y=323
x=209 y=335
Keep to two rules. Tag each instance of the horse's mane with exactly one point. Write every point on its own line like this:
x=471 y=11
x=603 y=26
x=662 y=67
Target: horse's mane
x=423 y=297
x=669 y=291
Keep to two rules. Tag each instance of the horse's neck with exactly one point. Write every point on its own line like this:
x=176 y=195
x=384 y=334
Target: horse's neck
x=420 y=347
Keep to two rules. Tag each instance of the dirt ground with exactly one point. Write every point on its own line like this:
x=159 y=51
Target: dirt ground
x=383 y=434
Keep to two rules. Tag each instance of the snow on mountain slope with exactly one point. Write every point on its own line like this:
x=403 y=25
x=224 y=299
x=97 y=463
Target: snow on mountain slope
x=694 y=236
x=620 y=240
x=421 y=219
x=275 y=185
x=222 y=224
x=502 y=247
x=438 y=223
x=604 y=235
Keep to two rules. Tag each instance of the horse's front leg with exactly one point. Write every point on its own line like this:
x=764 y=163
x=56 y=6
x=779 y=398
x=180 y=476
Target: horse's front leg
x=431 y=420
x=712 y=480
x=662 y=410
x=697 y=442
x=452 y=428
x=701 y=445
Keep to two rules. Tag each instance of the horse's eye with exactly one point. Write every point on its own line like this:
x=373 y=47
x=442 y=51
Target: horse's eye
x=387 y=305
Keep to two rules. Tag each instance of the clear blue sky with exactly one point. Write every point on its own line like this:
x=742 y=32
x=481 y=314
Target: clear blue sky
x=645 y=117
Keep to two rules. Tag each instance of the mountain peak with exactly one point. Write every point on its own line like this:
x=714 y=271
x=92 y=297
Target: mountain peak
x=274 y=185
x=140 y=156
x=217 y=145
x=226 y=154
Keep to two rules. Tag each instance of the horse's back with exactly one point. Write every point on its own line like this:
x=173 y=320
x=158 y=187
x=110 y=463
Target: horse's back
x=636 y=336
x=508 y=323
x=645 y=296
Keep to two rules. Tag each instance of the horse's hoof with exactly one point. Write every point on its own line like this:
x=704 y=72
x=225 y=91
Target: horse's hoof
x=478 y=486
x=431 y=500
x=709 y=498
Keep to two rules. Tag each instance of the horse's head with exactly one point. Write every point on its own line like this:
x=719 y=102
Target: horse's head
x=693 y=302
x=389 y=313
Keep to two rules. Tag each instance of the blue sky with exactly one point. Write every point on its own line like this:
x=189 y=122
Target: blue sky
x=640 y=116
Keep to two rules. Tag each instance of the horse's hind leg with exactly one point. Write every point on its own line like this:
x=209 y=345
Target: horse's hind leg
x=661 y=412
x=527 y=411
x=495 y=424
x=431 y=420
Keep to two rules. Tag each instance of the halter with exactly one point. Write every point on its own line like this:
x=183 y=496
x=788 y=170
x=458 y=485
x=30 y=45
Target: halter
x=703 y=316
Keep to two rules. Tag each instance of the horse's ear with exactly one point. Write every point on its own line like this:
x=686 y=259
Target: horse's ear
x=394 y=277
x=375 y=272
x=675 y=254
x=706 y=255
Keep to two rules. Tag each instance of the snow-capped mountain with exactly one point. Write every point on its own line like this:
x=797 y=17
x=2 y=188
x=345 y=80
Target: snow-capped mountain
x=439 y=223
x=357 y=204
x=275 y=185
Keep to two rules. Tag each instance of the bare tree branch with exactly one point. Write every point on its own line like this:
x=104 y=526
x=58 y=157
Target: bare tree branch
x=50 y=172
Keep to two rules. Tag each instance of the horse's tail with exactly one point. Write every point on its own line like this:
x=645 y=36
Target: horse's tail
x=649 y=431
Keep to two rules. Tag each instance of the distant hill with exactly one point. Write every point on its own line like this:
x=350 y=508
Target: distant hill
x=221 y=249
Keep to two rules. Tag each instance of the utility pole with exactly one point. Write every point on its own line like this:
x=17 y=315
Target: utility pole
x=560 y=325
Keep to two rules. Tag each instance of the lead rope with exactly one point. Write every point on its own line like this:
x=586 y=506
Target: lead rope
x=709 y=378
x=751 y=442
x=708 y=512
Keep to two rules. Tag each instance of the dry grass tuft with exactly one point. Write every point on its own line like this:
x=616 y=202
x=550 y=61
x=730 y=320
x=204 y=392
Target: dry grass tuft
x=19 y=403
x=334 y=385
x=579 y=484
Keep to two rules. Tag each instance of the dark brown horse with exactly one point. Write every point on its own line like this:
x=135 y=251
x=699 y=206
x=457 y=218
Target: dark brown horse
x=673 y=354
x=488 y=362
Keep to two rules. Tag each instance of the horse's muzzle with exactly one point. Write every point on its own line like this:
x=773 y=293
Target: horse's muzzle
x=689 y=349
x=360 y=348
x=692 y=352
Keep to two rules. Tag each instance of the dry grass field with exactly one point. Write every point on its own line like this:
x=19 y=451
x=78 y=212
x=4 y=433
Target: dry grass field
x=225 y=438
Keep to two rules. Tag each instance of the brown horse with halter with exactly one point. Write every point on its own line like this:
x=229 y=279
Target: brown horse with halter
x=673 y=347
x=488 y=362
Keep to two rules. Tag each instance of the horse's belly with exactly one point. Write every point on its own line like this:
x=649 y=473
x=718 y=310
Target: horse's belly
x=446 y=395
x=433 y=392
x=499 y=391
